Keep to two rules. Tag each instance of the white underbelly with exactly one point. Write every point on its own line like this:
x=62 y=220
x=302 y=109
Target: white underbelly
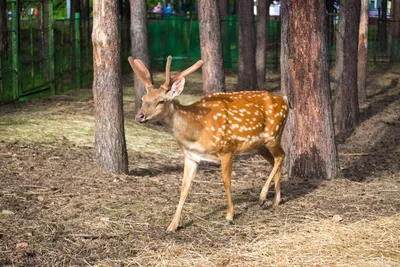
x=196 y=152
x=200 y=156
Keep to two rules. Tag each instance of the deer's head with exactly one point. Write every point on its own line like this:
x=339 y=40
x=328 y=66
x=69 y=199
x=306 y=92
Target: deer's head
x=157 y=100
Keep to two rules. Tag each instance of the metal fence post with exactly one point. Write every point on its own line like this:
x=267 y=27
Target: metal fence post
x=78 y=62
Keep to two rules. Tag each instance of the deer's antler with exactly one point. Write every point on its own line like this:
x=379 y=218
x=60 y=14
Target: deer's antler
x=141 y=71
x=169 y=81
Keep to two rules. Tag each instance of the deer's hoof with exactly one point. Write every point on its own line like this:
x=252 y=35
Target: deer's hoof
x=262 y=203
x=275 y=205
x=229 y=222
x=171 y=229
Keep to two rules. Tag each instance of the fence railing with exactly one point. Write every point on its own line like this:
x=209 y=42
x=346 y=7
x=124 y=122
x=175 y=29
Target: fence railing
x=46 y=56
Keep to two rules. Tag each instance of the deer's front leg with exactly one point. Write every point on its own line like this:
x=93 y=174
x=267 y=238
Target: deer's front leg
x=188 y=175
x=226 y=166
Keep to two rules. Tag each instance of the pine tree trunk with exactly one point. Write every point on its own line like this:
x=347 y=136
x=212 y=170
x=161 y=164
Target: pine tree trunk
x=85 y=29
x=262 y=40
x=3 y=28
x=247 y=48
x=44 y=32
x=330 y=7
x=75 y=8
x=110 y=144
x=139 y=44
x=223 y=7
x=211 y=47
x=125 y=27
x=305 y=80
x=346 y=109
x=383 y=21
x=85 y=9
x=395 y=31
x=285 y=84
x=362 y=51
x=339 y=43
x=236 y=7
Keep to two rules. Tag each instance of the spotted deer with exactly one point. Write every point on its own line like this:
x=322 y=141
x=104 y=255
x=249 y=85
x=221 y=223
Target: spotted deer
x=215 y=128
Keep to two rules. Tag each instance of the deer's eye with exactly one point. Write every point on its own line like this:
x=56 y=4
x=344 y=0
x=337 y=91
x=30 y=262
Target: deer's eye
x=161 y=102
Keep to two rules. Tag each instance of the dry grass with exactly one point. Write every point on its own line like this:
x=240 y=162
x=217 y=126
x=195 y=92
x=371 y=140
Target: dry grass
x=70 y=214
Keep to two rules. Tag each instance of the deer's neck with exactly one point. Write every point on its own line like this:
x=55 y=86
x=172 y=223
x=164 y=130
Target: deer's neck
x=183 y=127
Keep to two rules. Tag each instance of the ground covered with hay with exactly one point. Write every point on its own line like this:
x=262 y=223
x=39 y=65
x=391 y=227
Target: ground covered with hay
x=58 y=209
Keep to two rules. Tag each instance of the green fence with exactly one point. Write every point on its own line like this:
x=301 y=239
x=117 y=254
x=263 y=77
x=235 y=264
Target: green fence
x=47 y=56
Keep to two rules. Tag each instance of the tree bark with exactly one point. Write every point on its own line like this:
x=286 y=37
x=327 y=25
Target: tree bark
x=285 y=84
x=339 y=43
x=330 y=7
x=85 y=29
x=75 y=8
x=223 y=8
x=125 y=27
x=305 y=80
x=139 y=44
x=211 y=47
x=236 y=7
x=110 y=143
x=383 y=21
x=3 y=28
x=362 y=51
x=262 y=40
x=85 y=11
x=247 y=47
x=346 y=109
x=395 y=31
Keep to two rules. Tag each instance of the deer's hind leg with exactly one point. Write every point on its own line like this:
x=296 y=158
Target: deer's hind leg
x=275 y=155
x=226 y=166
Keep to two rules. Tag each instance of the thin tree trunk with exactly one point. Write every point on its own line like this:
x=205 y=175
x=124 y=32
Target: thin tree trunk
x=125 y=27
x=236 y=7
x=223 y=7
x=247 y=47
x=262 y=40
x=286 y=84
x=305 y=80
x=85 y=11
x=383 y=21
x=126 y=11
x=139 y=45
x=395 y=31
x=3 y=42
x=330 y=6
x=110 y=143
x=211 y=47
x=75 y=8
x=340 y=28
x=3 y=28
x=346 y=109
x=45 y=38
x=362 y=51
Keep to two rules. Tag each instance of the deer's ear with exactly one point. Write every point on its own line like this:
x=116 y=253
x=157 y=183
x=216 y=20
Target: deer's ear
x=176 y=88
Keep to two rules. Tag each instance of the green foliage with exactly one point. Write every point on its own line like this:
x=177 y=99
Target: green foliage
x=60 y=9
x=152 y=3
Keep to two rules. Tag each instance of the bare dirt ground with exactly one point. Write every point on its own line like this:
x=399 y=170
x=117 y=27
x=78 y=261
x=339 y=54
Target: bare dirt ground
x=58 y=209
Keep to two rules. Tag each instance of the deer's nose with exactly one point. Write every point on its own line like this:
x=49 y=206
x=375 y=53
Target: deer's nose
x=140 y=117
